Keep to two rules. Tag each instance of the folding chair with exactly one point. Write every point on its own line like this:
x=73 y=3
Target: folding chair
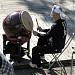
x=58 y=54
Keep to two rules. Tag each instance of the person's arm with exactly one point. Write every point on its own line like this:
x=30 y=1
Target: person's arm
x=50 y=33
x=46 y=30
x=42 y=30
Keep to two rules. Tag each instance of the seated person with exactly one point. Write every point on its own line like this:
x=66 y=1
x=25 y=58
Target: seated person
x=51 y=42
x=5 y=66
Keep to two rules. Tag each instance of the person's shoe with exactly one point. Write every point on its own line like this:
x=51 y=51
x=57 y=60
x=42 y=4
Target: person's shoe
x=40 y=68
x=34 y=65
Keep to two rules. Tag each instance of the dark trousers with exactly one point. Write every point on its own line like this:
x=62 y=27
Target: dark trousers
x=41 y=42
x=36 y=51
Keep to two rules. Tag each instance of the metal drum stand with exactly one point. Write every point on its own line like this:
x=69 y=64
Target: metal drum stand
x=18 y=42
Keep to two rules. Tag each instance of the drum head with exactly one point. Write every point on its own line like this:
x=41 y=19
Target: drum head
x=27 y=20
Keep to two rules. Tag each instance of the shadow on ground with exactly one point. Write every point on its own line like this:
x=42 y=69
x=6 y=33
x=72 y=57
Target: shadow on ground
x=23 y=68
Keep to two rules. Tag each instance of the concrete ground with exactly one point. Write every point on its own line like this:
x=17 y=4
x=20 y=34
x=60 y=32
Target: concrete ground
x=39 y=9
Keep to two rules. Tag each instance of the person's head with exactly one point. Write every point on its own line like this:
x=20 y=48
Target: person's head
x=56 y=12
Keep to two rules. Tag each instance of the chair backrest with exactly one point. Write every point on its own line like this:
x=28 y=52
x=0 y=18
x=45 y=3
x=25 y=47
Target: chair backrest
x=69 y=38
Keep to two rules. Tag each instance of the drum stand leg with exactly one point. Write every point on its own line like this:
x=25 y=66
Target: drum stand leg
x=28 y=48
x=19 y=52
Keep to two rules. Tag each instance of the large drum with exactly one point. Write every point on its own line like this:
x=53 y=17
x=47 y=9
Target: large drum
x=18 y=24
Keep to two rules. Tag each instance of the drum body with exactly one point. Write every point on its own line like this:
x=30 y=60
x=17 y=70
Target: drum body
x=18 y=24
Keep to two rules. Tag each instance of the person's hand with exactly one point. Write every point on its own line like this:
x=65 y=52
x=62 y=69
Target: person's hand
x=40 y=29
x=35 y=33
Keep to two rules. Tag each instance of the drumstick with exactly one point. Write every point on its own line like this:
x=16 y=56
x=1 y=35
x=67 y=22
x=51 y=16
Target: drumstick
x=37 y=22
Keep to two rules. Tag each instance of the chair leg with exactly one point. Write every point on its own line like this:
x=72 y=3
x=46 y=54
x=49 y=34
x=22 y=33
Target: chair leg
x=50 y=65
x=62 y=67
x=58 y=62
x=71 y=65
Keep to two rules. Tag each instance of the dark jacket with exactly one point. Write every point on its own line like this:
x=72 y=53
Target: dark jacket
x=56 y=35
